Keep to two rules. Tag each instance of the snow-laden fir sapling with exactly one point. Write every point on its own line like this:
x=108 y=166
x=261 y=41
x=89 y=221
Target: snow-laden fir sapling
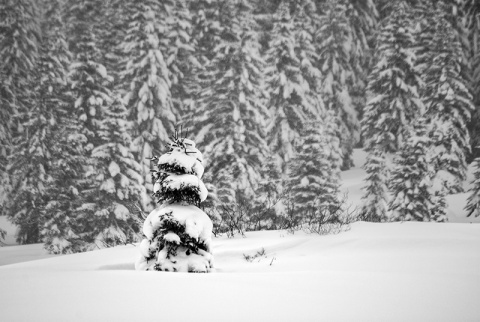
x=178 y=233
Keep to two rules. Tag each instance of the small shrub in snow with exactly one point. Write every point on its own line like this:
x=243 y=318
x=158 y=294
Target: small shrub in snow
x=178 y=233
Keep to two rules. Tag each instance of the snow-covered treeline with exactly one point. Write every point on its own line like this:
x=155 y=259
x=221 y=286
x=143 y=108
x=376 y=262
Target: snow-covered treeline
x=276 y=93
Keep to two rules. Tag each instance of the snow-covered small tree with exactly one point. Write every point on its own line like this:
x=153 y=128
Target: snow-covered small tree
x=411 y=185
x=473 y=203
x=178 y=233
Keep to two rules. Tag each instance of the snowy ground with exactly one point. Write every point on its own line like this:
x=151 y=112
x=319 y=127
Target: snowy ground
x=373 y=272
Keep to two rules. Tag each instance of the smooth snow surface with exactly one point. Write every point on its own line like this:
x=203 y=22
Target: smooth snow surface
x=374 y=272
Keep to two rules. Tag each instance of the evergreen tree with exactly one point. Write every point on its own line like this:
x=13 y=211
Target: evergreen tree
x=393 y=84
x=59 y=134
x=473 y=202
x=270 y=193
x=286 y=85
x=65 y=227
x=472 y=9
x=30 y=161
x=411 y=179
x=178 y=233
x=335 y=49
x=305 y=18
x=448 y=101
x=116 y=183
x=206 y=29
x=181 y=58
x=91 y=85
x=393 y=103
x=363 y=18
x=110 y=30
x=232 y=115
x=438 y=212
x=19 y=35
x=314 y=179
x=148 y=98
x=375 y=204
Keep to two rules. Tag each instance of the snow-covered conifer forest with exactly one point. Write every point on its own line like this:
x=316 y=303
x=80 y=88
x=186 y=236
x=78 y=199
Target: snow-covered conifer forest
x=276 y=93
x=313 y=117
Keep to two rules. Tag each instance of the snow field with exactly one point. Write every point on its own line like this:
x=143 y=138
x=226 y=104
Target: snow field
x=374 y=272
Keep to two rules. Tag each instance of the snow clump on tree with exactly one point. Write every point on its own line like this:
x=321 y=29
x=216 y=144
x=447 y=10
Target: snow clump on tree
x=178 y=233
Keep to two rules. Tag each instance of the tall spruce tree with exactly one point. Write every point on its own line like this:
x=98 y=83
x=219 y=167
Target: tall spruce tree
x=206 y=30
x=335 y=46
x=448 y=101
x=148 y=98
x=31 y=161
x=363 y=18
x=111 y=205
x=472 y=9
x=64 y=226
x=305 y=18
x=314 y=179
x=286 y=85
x=60 y=136
x=181 y=59
x=91 y=85
x=393 y=85
x=231 y=118
x=473 y=202
x=413 y=198
x=19 y=35
x=393 y=103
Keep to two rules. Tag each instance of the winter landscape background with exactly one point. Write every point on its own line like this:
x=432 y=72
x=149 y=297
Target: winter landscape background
x=340 y=146
x=371 y=272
